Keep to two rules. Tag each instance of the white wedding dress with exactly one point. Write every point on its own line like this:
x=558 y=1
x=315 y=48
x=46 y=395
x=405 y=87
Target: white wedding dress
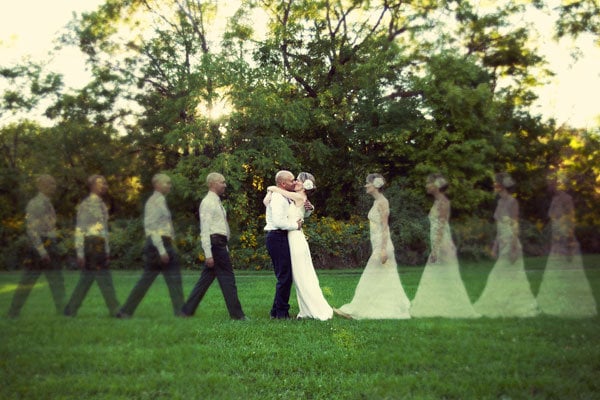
x=379 y=293
x=311 y=302
x=565 y=290
x=507 y=292
x=441 y=291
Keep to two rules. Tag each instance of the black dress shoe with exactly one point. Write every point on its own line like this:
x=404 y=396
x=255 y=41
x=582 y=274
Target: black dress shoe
x=281 y=318
x=122 y=315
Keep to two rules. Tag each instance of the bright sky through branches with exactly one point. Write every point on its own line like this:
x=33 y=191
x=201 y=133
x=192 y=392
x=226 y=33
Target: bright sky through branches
x=28 y=27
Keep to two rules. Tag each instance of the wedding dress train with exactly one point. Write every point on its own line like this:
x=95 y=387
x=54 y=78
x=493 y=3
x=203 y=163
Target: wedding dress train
x=441 y=292
x=565 y=290
x=507 y=292
x=379 y=293
x=311 y=302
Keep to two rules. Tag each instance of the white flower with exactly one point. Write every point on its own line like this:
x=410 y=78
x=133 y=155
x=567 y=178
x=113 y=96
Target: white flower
x=308 y=184
x=378 y=182
x=440 y=182
x=508 y=182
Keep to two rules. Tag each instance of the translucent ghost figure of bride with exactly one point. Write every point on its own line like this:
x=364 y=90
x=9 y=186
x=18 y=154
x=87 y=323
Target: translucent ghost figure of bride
x=441 y=292
x=564 y=290
x=379 y=293
x=507 y=292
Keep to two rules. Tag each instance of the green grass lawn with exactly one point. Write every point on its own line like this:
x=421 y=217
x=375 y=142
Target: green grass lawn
x=157 y=356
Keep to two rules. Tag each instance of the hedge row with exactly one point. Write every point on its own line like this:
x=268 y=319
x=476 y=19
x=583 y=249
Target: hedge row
x=334 y=244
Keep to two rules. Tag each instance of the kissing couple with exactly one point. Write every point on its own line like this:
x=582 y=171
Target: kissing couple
x=287 y=205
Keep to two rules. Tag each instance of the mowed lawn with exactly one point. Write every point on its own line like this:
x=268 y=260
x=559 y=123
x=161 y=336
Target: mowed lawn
x=157 y=356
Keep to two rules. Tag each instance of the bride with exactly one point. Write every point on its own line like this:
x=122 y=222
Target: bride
x=379 y=293
x=507 y=292
x=564 y=290
x=311 y=302
x=441 y=292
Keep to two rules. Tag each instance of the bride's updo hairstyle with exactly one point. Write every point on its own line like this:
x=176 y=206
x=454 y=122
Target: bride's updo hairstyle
x=438 y=181
x=505 y=180
x=376 y=180
x=308 y=181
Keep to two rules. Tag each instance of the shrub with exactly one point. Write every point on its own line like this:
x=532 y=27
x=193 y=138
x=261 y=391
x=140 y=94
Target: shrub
x=188 y=244
x=126 y=239
x=334 y=244
x=337 y=244
x=248 y=250
x=589 y=238
x=409 y=225
x=15 y=250
x=535 y=237
x=473 y=237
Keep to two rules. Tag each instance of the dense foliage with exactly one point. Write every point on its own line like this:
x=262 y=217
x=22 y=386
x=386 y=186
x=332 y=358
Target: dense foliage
x=339 y=88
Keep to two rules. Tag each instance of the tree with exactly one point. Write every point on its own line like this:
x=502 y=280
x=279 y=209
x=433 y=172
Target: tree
x=25 y=86
x=340 y=88
x=577 y=18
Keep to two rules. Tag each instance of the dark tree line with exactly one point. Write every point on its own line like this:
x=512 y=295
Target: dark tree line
x=338 y=88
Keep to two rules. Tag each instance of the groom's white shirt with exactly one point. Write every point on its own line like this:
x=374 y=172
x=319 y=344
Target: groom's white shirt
x=213 y=220
x=277 y=214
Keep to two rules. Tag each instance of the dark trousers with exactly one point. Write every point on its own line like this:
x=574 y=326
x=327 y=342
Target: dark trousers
x=279 y=250
x=33 y=267
x=223 y=272
x=152 y=267
x=95 y=269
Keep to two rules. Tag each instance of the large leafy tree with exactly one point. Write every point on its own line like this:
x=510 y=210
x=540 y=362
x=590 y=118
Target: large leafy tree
x=577 y=17
x=337 y=87
x=334 y=61
x=24 y=87
x=163 y=53
x=340 y=88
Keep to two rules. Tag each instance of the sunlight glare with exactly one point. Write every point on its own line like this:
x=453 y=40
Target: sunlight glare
x=13 y=286
x=219 y=109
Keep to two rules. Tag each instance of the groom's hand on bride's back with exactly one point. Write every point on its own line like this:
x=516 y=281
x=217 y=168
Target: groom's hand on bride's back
x=308 y=205
x=299 y=224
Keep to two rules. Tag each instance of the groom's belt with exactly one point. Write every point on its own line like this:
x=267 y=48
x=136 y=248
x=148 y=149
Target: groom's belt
x=218 y=237
x=218 y=240
x=278 y=231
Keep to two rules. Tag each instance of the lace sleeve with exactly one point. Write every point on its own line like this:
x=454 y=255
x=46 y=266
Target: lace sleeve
x=443 y=214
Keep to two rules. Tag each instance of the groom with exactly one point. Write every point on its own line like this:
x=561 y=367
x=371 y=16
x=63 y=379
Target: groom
x=277 y=229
